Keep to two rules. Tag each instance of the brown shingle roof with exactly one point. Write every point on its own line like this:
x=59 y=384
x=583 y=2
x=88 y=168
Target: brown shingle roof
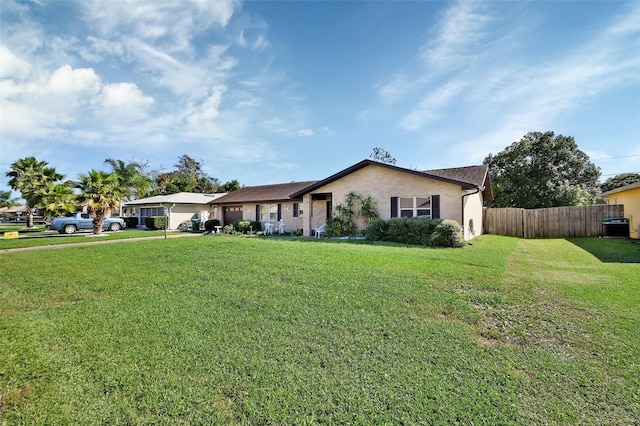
x=250 y=194
x=475 y=175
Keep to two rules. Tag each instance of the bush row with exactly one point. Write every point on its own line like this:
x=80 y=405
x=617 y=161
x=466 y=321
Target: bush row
x=244 y=226
x=131 y=222
x=417 y=231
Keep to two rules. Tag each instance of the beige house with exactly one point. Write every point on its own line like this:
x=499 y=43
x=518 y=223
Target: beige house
x=629 y=196
x=457 y=193
x=180 y=207
x=268 y=204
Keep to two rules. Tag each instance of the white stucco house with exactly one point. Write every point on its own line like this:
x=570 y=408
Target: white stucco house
x=180 y=207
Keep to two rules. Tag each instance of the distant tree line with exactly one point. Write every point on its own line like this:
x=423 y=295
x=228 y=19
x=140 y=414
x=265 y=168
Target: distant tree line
x=41 y=186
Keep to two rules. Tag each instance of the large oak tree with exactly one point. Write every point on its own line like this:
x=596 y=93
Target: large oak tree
x=543 y=170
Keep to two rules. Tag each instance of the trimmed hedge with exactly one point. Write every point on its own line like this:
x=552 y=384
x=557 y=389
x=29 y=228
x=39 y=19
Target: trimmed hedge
x=417 y=231
x=155 y=222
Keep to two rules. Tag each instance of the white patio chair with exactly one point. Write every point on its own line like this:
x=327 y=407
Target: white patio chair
x=268 y=228
x=281 y=227
x=320 y=230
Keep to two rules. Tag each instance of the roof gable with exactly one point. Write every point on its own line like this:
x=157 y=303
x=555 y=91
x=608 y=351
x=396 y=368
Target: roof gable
x=262 y=193
x=466 y=177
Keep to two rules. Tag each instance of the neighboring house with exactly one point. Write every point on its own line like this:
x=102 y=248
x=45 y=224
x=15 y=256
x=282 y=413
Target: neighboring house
x=629 y=196
x=180 y=207
x=456 y=193
x=264 y=203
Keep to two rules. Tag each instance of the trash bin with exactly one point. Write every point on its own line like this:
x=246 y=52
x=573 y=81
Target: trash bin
x=195 y=225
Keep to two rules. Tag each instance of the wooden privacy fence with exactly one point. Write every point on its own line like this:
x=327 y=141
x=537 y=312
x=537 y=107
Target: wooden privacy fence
x=553 y=222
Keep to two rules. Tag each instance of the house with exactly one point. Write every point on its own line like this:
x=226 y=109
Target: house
x=456 y=193
x=264 y=203
x=629 y=196
x=180 y=207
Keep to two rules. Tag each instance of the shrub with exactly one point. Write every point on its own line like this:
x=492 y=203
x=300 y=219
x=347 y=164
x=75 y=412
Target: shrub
x=377 y=230
x=447 y=234
x=340 y=226
x=131 y=222
x=244 y=226
x=155 y=222
x=415 y=231
x=210 y=224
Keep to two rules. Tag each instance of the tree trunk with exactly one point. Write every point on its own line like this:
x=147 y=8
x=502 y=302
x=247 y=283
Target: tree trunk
x=97 y=225
x=29 y=218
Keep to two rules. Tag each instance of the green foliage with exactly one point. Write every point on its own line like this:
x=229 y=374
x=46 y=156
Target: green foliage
x=448 y=233
x=246 y=226
x=102 y=194
x=30 y=177
x=58 y=199
x=542 y=170
x=131 y=222
x=342 y=224
x=210 y=224
x=6 y=200
x=377 y=230
x=619 y=181
x=155 y=222
x=230 y=186
x=415 y=230
x=134 y=182
x=382 y=156
x=187 y=177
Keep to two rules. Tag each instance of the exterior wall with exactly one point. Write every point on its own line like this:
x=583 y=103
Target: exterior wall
x=472 y=209
x=181 y=212
x=249 y=213
x=381 y=184
x=631 y=200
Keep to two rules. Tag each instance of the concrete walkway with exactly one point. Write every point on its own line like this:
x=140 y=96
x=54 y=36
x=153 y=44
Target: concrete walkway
x=91 y=243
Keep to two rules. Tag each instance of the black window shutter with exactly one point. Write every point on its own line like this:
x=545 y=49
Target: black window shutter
x=296 y=209
x=257 y=212
x=394 y=206
x=279 y=211
x=435 y=207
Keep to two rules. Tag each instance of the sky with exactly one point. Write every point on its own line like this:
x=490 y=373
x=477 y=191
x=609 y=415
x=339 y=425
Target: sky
x=279 y=91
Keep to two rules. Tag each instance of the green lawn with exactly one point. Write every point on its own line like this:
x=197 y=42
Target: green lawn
x=224 y=330
x=41 y=237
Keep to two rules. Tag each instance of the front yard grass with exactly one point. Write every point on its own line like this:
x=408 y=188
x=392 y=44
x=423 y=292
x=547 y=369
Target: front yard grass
x=226 y=330
x=42 y=237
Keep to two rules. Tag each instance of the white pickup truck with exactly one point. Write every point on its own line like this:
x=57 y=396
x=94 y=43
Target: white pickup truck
x=82 y=221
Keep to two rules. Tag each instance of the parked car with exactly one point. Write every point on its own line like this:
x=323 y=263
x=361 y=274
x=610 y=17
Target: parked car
x=82 y=221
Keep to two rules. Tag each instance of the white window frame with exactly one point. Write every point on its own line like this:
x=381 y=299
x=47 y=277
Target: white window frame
x=415 y=209
x=268 y=212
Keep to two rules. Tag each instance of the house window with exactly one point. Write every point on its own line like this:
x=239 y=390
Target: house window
x=297 y=209
x=268 y=212
x=415 y=206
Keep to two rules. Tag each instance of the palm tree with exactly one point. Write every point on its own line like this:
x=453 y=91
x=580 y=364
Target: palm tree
x=29 y=176
x=58 y=199
x=101 y=191
x=134 y=183
x=6 y=200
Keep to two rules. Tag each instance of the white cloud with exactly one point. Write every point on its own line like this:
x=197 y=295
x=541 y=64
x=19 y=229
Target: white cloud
x=67 y=81
x=463 y=26
x=125 y=96
x=432 y=105
x=11 y=66
x=305 y=132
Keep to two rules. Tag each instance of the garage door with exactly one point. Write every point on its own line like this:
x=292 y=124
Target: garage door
x=231 y=214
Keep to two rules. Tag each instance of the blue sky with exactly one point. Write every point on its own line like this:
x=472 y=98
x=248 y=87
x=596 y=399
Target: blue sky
x=270 y=92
